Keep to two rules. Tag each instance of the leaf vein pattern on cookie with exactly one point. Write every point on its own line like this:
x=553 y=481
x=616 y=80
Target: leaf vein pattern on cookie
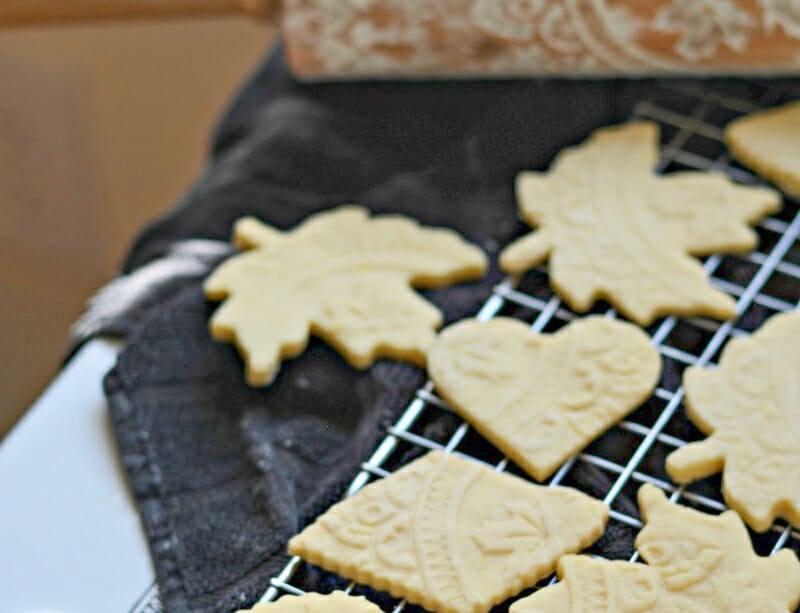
x=340 y=275
x=696 y=563
x=450 y=534
x=750 y=408
x=612 y=229
x=541 y=398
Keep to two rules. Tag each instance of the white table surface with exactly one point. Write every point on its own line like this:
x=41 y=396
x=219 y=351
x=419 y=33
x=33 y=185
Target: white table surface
x=70 y=538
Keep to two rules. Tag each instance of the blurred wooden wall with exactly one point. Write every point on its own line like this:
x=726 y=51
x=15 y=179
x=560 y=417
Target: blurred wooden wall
x=102 y=127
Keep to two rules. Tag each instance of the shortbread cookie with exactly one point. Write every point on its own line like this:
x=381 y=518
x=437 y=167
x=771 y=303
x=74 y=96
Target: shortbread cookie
x=697 y=563
x=450 y=534
x=589 y=585
x=316 y=603
x=541 y=398
x=750 y=408
x=613 y=229
x=769 y=143
x=342 y=276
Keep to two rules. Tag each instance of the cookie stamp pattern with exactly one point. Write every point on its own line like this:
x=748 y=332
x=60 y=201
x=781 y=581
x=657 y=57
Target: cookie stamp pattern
x=540 y=398
x=316 y=603
x=768 y=143
x=696 y=563
x=750 y=408
x=450 y=534
x=339 y=275
x=613 y=229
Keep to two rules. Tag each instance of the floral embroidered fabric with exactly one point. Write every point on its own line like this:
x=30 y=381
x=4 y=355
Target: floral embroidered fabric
x=538 y=37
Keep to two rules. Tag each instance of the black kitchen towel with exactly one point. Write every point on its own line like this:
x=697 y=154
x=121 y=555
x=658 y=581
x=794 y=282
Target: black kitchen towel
x=445 y=152
x=223 y=474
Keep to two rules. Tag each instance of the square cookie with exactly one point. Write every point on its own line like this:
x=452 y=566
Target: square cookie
x=451 y=535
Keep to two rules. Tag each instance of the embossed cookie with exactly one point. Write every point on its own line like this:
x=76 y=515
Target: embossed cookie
x=750 y=408
x=316 y=603
x=541 y=398
x=613 y=229
x=339 y=275
x=450 y=534
x=697 y=563
x=769 y=143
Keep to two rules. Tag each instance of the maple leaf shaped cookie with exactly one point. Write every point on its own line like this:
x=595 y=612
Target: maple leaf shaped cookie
x=339 y=275
x=316 y=603
x=750 y=407
x=696 y=563
x=541 y=398
x=613 y=229
x=451 y=535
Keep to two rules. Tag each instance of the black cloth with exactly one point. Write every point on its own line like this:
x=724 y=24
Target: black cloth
x=224 y=474
x=444 y=152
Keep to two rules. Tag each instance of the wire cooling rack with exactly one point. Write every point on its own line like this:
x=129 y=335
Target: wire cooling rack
x=764 y=282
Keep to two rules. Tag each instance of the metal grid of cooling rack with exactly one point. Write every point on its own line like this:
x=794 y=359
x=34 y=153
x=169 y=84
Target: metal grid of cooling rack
x=764 y=282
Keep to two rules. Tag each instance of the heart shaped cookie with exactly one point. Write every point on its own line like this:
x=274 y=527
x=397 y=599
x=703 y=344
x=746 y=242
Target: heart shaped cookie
x=540 y=398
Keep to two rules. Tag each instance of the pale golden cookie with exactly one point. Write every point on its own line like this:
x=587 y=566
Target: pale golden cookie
x=337 y=602
x=750 y=408
x=769 y=143
x=450 y=534
x=613 y=229
x=339 y=275
x=588 y=585
x=697 y=563
x=541 y=398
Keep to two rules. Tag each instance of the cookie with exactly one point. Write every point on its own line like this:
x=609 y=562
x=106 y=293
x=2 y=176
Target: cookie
x=450 y=534
x=342 y=276
x=767 y=142
x=750 y=408
x=614 y=230
x=541 y=398
x=316 y=603
x=697 y=563
x=589 y=585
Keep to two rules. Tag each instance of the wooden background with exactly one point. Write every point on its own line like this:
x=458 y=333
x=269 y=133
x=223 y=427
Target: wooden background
x=101 y=128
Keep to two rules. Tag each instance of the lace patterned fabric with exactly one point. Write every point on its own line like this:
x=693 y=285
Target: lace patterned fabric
x=386 y=38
